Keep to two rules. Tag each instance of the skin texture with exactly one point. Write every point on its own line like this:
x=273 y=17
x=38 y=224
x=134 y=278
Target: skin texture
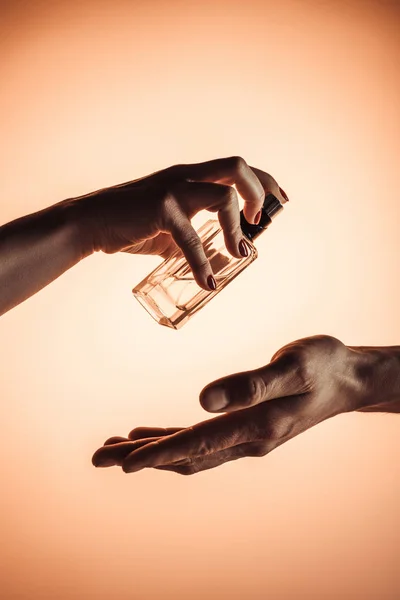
x=147 y=216
x=306 y=382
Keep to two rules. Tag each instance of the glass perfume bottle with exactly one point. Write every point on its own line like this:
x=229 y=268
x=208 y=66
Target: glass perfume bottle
x=171 y=295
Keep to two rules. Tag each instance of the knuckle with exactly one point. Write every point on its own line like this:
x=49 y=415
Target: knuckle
x=188 y=469
x=137 y=433
x=238 y=164
x=229 y=195
x=193 y=248
x=270 y=430
x=113 y=440
x=320 y=342
x=257 y=449
x=258 y=388
x=270 y=183
x=178 y=169
x=168 y=202
x=192 y=242
x=303 y=358
x=250 y=390
x=167 y=207
x=173 y=173
x=277 y=427
x=204 y=448
x=294 y=360
x=300 y=369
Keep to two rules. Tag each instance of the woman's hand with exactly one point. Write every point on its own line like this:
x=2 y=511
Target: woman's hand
x=306 y=382
x=148 y=216
x=152 y=215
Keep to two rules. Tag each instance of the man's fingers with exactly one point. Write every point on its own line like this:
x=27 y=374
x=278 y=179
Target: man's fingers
x=116 y=448
x=141 y=433
x=113 y=454
x=254 y=431
x=197 y=465
x=282 y=377
x=116 y=439
x=200 y=440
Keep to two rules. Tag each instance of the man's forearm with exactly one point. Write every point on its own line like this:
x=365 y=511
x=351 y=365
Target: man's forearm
x=35 y=250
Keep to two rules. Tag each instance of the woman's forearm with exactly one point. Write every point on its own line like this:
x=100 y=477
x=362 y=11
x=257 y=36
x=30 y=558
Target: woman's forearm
x=35 y=250
x=147 y=215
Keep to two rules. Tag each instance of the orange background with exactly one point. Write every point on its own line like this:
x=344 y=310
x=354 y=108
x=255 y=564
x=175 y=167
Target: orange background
x=96 y=93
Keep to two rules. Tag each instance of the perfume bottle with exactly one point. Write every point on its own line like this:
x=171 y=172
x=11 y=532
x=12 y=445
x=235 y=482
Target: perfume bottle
x=171 y=295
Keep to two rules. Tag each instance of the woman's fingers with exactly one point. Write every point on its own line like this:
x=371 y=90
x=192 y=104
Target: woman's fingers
x=219 y=198
x=270 y=185
x=230 y=171
x=186 y=237
x=189 y=198
x=208 y=185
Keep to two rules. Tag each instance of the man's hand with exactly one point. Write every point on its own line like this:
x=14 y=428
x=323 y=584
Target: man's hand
x=306 y=382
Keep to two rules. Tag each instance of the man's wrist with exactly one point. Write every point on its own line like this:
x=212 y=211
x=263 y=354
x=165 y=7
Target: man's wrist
x=377 y=375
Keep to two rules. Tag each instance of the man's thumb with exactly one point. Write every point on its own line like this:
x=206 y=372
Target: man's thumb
x=241 y=390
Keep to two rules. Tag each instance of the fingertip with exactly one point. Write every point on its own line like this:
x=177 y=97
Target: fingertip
x=252 y=214
x=128 y=468
x=236 y=244
x=115 y=440
x=100 y=461
x=205 y=277
x=206 y=282
x=257 y=218
x=139 y=433
x=284 y=194
x=214 y=399
x=212 y=284
x=94 y=459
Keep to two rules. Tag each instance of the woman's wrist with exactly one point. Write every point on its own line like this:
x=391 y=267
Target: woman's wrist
x=36 y=249
x=75 y=218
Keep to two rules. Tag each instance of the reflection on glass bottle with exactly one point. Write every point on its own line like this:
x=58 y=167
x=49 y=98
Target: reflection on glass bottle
x=171 y=295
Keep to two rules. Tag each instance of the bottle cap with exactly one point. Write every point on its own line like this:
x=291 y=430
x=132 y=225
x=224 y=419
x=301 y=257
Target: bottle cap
x=270 y=209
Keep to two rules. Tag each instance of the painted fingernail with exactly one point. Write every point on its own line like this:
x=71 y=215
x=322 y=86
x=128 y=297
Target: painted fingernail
x=243 y=249
x=284 y=194
x=211 y=283
x=257 y=218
